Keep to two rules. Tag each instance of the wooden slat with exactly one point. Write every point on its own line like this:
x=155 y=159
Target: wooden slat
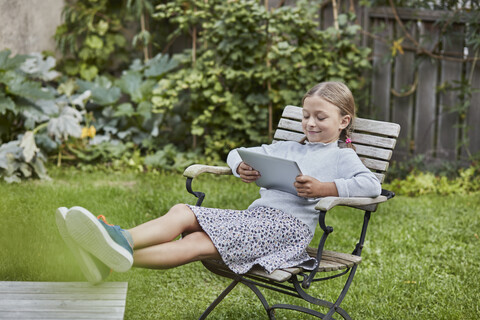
x=62 y=300
x=376 y=127
x=288 y=135
x=114 y=297
x=60 y=287
x=292 y=112
x=372 y=140
x=89 y=315
x=277 y=275
x=373 y=164
x=379 y=153
x=380 y=176
x=291 y=125
x=333 y=261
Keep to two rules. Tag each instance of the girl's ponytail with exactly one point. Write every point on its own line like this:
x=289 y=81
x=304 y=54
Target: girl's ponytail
x=346 y=134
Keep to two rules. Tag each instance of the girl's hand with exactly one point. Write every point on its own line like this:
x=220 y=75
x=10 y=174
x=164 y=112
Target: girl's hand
x=247 y=173
x=309 y=187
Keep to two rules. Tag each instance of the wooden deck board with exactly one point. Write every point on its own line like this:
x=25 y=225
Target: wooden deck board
x=62 y=300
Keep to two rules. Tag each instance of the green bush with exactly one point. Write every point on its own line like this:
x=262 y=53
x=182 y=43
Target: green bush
x=420 y=183
x=32 y=111
x=248 y=63
x=247 y=60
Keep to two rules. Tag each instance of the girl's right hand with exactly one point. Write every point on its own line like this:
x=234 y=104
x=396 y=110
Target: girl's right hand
x=247 y=173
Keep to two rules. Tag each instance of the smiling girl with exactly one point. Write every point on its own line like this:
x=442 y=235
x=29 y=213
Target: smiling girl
x=273 y=232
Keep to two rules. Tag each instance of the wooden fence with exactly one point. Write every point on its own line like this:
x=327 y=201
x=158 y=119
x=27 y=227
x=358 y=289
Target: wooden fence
x=418 y=88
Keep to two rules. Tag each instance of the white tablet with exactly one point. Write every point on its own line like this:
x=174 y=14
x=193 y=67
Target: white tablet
x=275 y=173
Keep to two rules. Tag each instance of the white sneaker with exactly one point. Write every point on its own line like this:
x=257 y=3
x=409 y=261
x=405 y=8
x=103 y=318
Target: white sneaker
x=106 y=242
x=93 y=269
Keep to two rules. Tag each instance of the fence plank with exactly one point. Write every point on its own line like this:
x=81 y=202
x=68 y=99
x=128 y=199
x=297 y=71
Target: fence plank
x=426 y=96
x=326 y=17
x=403 y=81
x=382 y=71
x=448 y=118
x=473 y=115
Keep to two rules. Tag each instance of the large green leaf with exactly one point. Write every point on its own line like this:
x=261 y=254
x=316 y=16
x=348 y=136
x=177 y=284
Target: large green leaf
x=7 y=63
x=67 y=124
x=13 y=148
x=19 y=85
x=160 y=65
x=29 y=147
x=125 y=109
x=103 y=92
x=39 y=167
x=6 y=103
x=130 y=83
x=39 y=67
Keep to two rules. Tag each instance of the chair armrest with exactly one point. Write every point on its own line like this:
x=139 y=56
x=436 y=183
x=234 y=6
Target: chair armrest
x=368 y=204
x=196 y=169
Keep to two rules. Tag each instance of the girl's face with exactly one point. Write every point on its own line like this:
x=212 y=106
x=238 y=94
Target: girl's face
x=322 y=121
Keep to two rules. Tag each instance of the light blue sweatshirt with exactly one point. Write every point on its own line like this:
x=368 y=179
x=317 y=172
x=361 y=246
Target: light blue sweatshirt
x=324 y=162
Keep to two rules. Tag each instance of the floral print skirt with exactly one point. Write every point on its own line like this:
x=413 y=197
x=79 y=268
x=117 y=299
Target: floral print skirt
x=261 y=236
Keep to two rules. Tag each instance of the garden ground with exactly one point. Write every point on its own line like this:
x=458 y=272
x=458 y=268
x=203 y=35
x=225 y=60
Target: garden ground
x=421 y=258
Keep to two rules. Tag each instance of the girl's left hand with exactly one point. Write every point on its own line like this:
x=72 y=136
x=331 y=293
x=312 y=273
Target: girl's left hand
x=309 y=187
x=306 y=186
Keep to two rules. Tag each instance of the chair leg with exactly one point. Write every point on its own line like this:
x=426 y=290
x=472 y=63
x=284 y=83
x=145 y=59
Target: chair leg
x=261 y=297
x=342 y=294
x=333 y=307
x=218 y=299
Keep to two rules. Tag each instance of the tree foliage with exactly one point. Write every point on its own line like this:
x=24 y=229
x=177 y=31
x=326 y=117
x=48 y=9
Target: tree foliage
x=246 y=59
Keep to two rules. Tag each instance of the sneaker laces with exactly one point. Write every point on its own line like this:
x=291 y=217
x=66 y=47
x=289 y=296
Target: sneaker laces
x=102 y=217
x=125 y=233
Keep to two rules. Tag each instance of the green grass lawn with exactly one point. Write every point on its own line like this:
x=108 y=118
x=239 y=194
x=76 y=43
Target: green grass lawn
x=421 y=258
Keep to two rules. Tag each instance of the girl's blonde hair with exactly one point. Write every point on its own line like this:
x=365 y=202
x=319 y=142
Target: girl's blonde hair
x=339 y=95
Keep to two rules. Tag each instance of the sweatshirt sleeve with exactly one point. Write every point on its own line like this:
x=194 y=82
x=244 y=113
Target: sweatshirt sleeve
x=355 y=180
x=234 y=159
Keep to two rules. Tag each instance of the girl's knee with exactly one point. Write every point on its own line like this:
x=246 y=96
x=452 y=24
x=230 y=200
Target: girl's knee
x=183 y=214
x=180 y=209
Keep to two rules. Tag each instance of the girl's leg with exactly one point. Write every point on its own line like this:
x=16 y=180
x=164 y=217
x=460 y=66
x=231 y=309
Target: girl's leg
x=177 y=220
x=193 y=247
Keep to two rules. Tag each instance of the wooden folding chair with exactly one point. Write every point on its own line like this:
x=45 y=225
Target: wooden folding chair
x=374 y=142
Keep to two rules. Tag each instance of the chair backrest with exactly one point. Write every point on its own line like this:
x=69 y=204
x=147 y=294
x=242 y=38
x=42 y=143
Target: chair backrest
x=374 y=140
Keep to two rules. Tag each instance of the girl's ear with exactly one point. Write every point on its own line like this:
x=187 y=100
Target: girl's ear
x=345 y=121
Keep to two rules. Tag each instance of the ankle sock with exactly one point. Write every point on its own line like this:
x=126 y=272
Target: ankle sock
x=119 y=235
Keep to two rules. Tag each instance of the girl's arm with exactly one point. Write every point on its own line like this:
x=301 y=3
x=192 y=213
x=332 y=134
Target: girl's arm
x=353 y=180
